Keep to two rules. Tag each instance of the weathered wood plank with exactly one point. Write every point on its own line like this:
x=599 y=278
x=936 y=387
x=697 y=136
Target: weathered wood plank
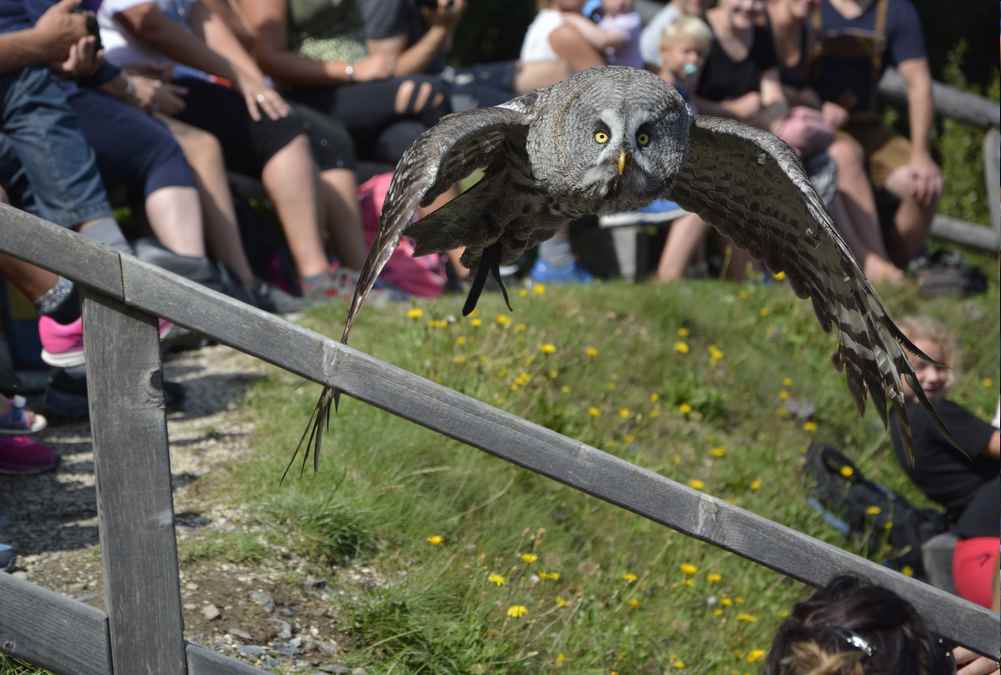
x=992 y=176
x=641 y=491
x=202 y=661
x=246 y=328
x=949 y=101
x=969 y=234
x=51 y=630
x=134 y=501
x=55 y=248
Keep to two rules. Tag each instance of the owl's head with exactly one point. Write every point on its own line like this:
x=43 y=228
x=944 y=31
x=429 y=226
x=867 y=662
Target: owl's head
x=611 y=137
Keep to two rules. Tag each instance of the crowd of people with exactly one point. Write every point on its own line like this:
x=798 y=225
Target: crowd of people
x=159 y=102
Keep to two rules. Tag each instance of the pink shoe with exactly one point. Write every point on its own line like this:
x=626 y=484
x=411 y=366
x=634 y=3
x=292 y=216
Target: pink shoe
x=62 y=345
x=19 y=455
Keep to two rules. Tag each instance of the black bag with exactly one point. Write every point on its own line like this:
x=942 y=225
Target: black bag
x=845 y=498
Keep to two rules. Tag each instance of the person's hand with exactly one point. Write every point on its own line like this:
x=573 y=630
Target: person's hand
x=377 y=66
x=59 y=29
x=262 y=97
x=446 y=14
x=971 y=663
x=83 y=59
x=927 y=178
x=834 y=114
x=153 y=95
x=744 y=107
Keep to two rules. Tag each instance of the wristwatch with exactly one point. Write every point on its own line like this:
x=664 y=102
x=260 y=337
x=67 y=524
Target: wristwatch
x=349 y=72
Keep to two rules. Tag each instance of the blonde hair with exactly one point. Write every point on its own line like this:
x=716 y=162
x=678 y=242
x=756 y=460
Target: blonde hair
x=688 y=27
x=917 y=327
x=809 y=658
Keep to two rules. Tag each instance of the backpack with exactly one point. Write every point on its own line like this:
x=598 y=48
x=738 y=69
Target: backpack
x=845 y=499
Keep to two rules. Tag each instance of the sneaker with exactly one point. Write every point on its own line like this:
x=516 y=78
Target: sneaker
x=275 y=300
x=546 y=273
x=8 y=558
x=19 y=420
x=20 y=456
x=62 y=344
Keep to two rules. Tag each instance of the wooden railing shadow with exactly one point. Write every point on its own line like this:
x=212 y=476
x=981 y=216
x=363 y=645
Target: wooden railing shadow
x=142 y=631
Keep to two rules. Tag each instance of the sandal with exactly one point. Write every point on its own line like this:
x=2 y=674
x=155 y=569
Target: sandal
x=19 y=420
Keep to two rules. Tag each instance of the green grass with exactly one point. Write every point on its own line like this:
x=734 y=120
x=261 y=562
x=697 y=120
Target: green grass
x=385 y=486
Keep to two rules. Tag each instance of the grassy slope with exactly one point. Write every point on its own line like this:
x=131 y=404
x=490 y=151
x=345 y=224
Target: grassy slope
x=386 y=486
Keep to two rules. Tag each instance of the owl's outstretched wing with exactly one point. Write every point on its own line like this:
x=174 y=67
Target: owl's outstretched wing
x=751 y=187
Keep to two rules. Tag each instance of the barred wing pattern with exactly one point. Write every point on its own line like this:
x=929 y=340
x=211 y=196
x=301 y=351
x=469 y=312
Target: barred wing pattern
x=751 y=187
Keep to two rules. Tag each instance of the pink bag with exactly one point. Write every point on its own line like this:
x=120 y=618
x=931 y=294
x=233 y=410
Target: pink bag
x=806 y=131
x=423 y=276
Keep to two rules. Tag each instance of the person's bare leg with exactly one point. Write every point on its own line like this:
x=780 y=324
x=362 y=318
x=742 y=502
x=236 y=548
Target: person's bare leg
x=683 y=240
x=574 y=49
x=539 y=74
x=342 y=216
x=456 y=253
x=290 y=178
x=175 y=216
x=222 y=230
x=31 y=280
x=912 y=222
x=875 y=266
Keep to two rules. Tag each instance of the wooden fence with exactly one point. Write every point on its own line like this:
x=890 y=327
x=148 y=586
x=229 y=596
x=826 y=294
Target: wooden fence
x=142 y=631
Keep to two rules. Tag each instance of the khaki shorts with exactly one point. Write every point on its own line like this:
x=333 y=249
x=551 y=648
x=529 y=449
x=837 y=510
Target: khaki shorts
x=884 y=150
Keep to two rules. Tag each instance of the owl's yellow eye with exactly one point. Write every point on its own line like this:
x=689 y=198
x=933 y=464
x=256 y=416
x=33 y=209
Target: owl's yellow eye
x=643 y=139
x=601 y=137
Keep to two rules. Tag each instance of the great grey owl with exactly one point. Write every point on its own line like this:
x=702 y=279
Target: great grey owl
x=613 y=139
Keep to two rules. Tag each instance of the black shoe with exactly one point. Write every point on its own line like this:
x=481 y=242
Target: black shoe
x=275 y=300
x=66 y=396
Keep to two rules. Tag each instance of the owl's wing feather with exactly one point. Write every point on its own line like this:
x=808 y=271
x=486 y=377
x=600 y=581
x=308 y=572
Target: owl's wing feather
x=751 y=187
x=444 y=154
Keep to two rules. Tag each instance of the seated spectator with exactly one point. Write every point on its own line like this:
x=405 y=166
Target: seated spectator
x=852 y=205
x=965 y=480
x=249 y=118
x=857 y=40
x=618 y=16
x=560 y=41
x=651 y=38
x=851 y=626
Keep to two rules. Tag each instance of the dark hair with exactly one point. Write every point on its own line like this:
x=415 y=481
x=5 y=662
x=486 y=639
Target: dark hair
x=851 y=627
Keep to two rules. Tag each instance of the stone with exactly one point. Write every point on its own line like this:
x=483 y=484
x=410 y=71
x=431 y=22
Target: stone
x=264 y=599
x=240 y=633
x=211 y=612
x=252 y=651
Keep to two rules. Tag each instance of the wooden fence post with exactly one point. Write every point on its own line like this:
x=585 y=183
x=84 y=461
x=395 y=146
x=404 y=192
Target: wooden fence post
x=134 y=500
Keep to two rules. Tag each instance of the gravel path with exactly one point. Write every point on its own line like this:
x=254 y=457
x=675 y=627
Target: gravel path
x=280 y=614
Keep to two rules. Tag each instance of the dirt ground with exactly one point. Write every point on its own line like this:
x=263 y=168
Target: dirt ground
x=279 y=614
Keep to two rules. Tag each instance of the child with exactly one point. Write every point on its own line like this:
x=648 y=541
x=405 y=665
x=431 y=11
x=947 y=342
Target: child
x=965 y=481
x=621 y=21
x=683 y=49
x=651 y=37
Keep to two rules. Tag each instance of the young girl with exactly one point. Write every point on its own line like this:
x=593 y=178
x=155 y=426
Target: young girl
x=965 y=480
x=683 y=49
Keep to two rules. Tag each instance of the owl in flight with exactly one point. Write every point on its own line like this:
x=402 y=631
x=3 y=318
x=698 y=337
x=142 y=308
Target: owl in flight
x=613 y=139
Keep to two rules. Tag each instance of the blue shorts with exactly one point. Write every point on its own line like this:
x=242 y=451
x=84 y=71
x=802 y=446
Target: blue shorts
x=44 y=134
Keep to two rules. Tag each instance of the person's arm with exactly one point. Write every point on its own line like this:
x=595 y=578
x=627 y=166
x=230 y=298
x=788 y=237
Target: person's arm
x=993 y=448
x=598 y=37
x=415 y=59
x=48 y=41
x=920 y=110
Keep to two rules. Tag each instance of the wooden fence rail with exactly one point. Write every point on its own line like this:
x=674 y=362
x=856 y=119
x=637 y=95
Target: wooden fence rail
x=126 y=288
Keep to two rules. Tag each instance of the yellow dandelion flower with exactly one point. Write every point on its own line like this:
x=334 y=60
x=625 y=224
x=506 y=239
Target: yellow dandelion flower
x=560 y=601
x=779 y=276
x=475 y=322
x=747 y=618
x=560 y=659
x=522 y=292
x=682 y=332
x=539 y=289
x=715 y=353
x=629 y=577
x=520 y=327
x=594 y=411
x=786 y=381
x=460 y=340
x=628 y=438
x=714 y=577
x=591 y=352
x=696 y=484
x=548 y=348
x=517 y=611
x=459 y=358
x=755 y=485
x=655 y=412
x=654 y=397
x=809 y=426
x=684 y=409
x=717 y=452
x=497 y=579
x=681 y=347
x=888 y=525
x=846 y=471
x=743 y=294
x=987 y=382
x=436 y=540
x=549 y=576
x=764 y=311
x=783 y=395
x=688 y=569
x=873 y=510
x=907 y=571
x=565 y=389
x=755 y=655
x=528 y=558
x=738 y=599
x=678 y=664
x=717 y=612
x=415 y=313
x=502 y=320
x=625 y=413
x=633 y=602
x=726 y=601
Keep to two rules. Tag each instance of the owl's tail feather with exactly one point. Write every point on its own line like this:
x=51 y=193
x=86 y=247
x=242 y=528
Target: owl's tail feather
x=489 y=264
x=312 y=436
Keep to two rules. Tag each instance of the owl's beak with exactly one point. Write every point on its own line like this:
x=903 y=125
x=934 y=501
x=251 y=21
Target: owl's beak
x=620 y=164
